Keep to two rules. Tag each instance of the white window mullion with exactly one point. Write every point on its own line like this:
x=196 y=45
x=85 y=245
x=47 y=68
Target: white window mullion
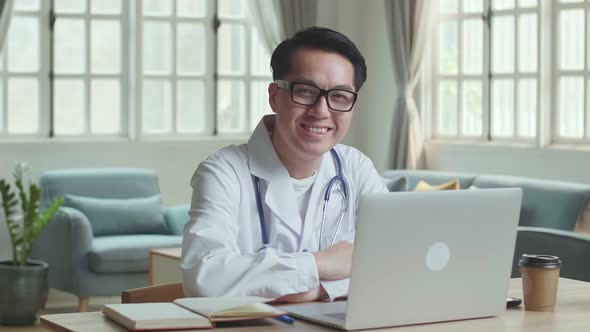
x=486 y=74
x=88 y=77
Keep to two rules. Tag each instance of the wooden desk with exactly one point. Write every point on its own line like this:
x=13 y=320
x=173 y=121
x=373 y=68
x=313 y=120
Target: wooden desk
x=165 y=266
x=572 y=314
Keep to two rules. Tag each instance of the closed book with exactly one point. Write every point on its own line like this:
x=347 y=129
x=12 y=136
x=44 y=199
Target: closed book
x=189 y=313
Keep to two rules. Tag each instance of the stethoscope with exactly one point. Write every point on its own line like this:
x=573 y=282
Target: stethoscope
x=338 y=178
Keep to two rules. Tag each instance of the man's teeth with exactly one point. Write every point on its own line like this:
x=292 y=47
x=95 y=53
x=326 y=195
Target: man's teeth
x=317 y=130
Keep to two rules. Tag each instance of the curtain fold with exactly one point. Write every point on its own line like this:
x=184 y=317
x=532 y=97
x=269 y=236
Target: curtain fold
x=5 y=18
x=409 y=24
x=277 y=20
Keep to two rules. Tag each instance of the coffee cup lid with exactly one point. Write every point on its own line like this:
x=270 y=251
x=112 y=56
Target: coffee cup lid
x=540 y=261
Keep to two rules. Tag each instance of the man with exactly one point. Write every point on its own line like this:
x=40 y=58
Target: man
x=260 y=224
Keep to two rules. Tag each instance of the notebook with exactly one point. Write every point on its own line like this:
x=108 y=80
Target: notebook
x=189 y=313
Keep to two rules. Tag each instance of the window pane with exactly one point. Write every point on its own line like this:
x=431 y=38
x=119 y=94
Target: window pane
x=26 y=5
x=503 y=44
x=447 y=108
x=571 y=1
x=191 y=8
x=527 y=3
x=157 y=48
x=106 y=6
x=191 y=106
x=231 y=8
x=502 y=108
x=231 y=41
x=527 y=107
x=449 y=6
x=502 y=4
x=191 y=44
x=571 y=107
x=68 y=105
x=157 y=7
x=231 y=107
x=472 y=6
x=571 y=39
x=23 y=106
x=23 y=44
x=472 y=108
x=106 y=47
x=448 y=48
x=69 y=6
x=527 y=43
x=157 y=106
x=258 y=102
x=260 y=61
x=105 y=110
x=69 y=46
x=472 y=46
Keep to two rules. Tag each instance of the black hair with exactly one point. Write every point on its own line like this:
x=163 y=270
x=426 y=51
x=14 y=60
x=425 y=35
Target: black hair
x=321 y=39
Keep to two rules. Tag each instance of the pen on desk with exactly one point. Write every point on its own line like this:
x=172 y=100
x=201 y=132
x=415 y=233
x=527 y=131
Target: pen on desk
x=285 y=319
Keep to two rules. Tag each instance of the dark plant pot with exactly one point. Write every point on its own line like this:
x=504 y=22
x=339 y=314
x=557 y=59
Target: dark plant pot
x=24 y=290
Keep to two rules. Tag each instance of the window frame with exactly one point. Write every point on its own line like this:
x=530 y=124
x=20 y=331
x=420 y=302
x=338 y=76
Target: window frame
x=42 y=76
x=487 y=75
x=124 y=19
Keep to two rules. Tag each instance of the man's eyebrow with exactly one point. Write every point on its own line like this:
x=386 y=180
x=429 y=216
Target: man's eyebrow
x=341 y=86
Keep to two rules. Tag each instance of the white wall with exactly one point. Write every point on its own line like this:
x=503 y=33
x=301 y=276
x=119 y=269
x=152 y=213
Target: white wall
x=549 y=163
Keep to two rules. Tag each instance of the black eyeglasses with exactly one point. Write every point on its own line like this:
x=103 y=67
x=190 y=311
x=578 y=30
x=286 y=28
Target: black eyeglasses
x=339 y=100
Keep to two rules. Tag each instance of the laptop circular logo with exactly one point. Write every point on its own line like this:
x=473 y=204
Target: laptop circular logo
x=438 y=256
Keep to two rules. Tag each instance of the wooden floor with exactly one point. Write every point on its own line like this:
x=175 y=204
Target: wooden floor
x=61 y=302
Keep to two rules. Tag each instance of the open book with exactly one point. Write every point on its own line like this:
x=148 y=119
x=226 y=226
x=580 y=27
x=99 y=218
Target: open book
x=189 y=313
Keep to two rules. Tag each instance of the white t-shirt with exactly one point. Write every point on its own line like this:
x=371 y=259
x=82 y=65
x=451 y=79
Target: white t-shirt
x=303 y=193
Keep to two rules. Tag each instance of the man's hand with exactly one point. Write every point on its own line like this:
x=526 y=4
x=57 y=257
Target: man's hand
x=334 y=262
x=309 y=296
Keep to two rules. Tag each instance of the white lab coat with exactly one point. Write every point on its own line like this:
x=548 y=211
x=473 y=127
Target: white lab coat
x=220 y=250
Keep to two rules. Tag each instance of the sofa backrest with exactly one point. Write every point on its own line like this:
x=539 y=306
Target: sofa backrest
x=98 y=183
x=545 y=203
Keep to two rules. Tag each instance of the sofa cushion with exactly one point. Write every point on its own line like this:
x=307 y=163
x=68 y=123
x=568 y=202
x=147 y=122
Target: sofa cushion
x=109 y=216
x=127 y=253
x=396 y=183
x=550 y=204
x=424 y=186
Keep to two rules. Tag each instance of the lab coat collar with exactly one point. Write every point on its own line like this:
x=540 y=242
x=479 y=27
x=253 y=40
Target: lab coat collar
x=279 y=195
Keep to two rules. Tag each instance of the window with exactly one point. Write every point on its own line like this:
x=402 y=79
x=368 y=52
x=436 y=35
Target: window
x=572 y=71
x=23 y=73
x=90 y=67
x=486 y=75
x=119 y=68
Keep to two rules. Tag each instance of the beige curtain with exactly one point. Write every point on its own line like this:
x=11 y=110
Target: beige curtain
x=5 y=17
x=279 y=19
x=409 y=24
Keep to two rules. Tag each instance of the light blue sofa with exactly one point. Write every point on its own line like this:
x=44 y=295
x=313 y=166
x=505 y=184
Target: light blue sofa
x=102 y=255
x=549 y=213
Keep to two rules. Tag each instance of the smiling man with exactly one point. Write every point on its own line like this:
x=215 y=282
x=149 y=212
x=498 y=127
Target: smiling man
x=276 y=217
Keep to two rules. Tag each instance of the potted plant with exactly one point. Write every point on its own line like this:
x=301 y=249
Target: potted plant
x=23 y=281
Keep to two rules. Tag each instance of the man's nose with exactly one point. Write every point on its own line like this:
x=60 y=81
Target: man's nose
x=320 y=108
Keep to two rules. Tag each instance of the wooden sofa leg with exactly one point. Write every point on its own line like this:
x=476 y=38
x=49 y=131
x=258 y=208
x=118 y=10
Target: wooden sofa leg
x=83 y=303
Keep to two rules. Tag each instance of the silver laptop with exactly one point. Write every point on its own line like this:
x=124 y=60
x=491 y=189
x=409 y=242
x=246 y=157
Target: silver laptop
x=423 y=257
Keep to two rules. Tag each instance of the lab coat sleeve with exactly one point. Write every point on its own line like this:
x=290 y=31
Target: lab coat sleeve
x=212 y=262
x=335 y=289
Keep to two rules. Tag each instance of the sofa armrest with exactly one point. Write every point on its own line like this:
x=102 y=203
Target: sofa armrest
x=64 y=244
x=176 y=217
x=572 y=248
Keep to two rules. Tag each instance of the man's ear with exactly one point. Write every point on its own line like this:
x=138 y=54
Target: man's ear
x=273 y=96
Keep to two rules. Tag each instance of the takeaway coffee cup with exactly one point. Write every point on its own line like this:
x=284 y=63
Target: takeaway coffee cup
x=540 y=274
